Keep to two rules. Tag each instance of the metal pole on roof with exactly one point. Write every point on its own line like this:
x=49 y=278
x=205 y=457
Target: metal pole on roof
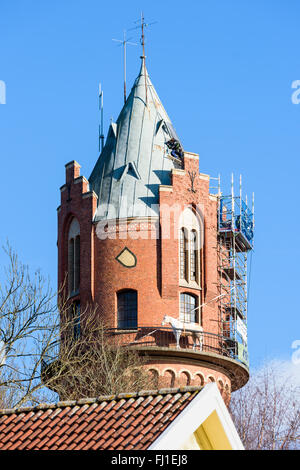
x=253 y=218
x=144 y=56
x=124 y=49
x=219 y=201
x=124 y=42
x=240 y=195
x=143 y=25
x=101 y=130
x=232 y=197
x=143 y=34
x=233 y=258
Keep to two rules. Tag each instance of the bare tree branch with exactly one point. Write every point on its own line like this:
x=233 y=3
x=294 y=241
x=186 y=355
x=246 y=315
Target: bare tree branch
x=33 y=320
x=96 y=363
x=266 y=411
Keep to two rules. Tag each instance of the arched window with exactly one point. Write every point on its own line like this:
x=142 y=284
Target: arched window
x=188 y=305
x=74 y=257
x=190 y=242
x=183 y=255
x=127 y=309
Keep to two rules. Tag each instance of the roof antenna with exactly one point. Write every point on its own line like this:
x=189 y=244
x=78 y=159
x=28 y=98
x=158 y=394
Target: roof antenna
x=101 y=131
x=143 y=25
x=125 y=42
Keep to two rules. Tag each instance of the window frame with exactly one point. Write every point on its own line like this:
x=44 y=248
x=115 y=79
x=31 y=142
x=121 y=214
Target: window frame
x=128 y=322
x=183 y=255
x=189 y=257
x=73 y=252
x=194 y=310
x=190 y=248
x=194 y=256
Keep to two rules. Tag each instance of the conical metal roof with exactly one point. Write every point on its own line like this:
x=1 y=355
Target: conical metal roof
x=135 y=159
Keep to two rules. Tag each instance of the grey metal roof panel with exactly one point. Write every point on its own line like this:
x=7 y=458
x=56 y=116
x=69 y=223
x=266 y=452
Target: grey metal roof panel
x=135 y=159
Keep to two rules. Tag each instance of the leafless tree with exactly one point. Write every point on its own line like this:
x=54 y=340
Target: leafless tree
x=33 y=318
x=266 y=411
x=94 y=362
x=28 y=317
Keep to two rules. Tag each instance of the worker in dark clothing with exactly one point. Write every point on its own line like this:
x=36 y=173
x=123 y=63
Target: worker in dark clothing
x=175 y=146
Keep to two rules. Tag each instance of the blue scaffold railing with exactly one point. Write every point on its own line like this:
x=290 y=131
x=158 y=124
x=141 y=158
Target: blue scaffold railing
x=236 y=217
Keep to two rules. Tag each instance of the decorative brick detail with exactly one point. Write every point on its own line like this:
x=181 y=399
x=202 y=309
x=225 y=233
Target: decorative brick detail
x=75 y=204
x=72 y=171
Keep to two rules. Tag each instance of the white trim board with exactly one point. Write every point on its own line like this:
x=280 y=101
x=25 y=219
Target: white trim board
x=189 y=420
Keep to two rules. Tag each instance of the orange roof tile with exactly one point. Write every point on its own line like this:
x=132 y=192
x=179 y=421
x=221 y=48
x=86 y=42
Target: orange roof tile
x=124 y=421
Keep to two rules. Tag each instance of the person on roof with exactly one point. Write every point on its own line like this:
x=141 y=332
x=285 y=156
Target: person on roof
x=176 y=148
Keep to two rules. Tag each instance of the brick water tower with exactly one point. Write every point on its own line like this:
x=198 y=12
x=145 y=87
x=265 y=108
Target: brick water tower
x=162 y=255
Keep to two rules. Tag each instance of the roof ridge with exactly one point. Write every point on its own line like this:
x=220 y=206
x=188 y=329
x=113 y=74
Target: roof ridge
x=101 y=398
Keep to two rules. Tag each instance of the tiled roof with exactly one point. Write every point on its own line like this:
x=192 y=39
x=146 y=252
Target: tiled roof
x=123 y=422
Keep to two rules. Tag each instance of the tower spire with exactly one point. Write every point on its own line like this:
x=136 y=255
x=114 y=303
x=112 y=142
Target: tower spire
x=142 y=25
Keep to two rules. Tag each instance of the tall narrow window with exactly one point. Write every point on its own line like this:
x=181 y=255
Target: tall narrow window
x=77 y=263
x=188 y=304
x=193 y=256
x=71 y=265
x=183 y=255
x=127 y=309
x=74 y=257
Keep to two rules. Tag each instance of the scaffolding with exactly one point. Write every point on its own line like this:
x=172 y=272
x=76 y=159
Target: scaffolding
x=235 y=241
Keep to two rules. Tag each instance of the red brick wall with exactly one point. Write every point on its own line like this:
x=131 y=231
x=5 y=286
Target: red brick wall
x=77 y=201
x=156 y=274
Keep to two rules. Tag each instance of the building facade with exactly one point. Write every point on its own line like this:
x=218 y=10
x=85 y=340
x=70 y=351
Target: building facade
x=161 y=257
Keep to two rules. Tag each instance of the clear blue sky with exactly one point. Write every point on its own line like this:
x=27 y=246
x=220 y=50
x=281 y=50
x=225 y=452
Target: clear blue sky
x=223 y=70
